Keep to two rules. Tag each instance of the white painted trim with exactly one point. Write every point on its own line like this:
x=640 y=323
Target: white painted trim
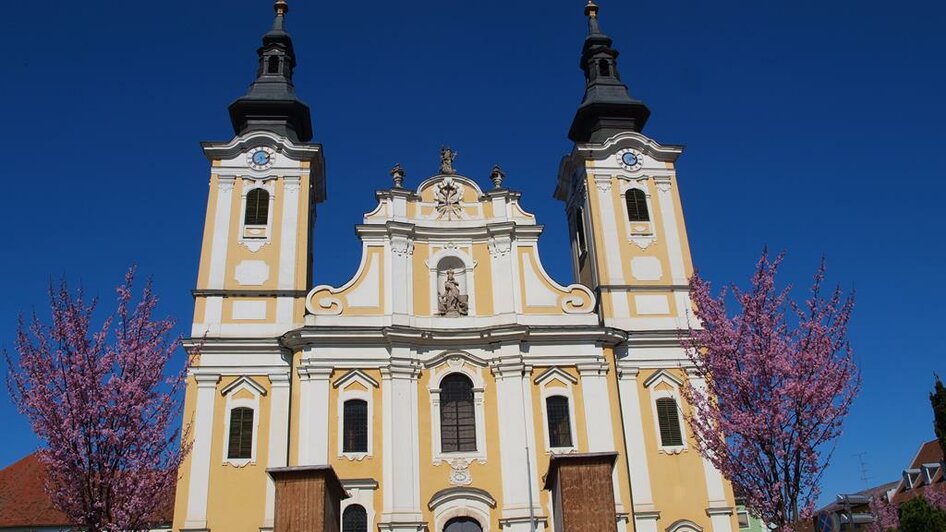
x=635 y=447
x=221 y=233
x=361 y=495
x=251 y=386
x=367 y=395
x=289 y=231
x=665 y=377
x=460 y=502
x=313 y=415
x=278 y=437
x=545 y=391
x=447 y=365
x=255 y=243
x=196 y=516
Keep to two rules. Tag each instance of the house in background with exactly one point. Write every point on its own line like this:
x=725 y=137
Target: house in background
x=924 y=473
x=25 y=507
x=748 y=522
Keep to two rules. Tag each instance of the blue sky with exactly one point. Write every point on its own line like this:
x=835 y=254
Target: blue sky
x=813 y=127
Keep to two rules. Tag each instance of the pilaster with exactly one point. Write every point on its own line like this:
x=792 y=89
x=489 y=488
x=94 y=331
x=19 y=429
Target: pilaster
x=278 y=438
x=718 y=509
x=517 y=447
x=313 y=414
x=401 y=450
x=645 y=513
x=196 y=517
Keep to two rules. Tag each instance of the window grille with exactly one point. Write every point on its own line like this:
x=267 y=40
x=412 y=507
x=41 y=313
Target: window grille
x=560 y=428
x=241 y=433
x=257 y=207
x=355 y=519
x=636 y=205
x=355 y=439
x=457 y=415
x=669 y=421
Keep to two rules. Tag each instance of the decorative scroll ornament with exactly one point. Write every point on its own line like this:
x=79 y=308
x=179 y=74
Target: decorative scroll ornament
x=450 y=302
x=460 y=472
x=448 y=193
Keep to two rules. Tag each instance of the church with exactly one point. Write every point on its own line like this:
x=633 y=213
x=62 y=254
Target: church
x=451 y=385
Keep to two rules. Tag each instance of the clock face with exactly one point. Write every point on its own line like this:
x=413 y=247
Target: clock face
x=629 y=159
x=261 y=158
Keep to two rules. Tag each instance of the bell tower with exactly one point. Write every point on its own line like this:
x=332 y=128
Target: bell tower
x=627 y=233
x=629 y=245
x=264 y=185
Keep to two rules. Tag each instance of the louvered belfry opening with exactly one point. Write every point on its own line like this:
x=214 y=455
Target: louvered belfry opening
x=257 y=207
x=355 y=439
x=241 y=433
x=636 y=205
x=669 y=421
x=457 y=415
x=560 y=428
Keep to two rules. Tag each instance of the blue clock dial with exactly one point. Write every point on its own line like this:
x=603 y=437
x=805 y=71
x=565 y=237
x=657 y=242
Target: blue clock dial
x=260 y=158
x=629 y=159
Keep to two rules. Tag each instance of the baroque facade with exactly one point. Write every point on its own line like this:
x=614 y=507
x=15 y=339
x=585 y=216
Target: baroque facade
x=442 y=378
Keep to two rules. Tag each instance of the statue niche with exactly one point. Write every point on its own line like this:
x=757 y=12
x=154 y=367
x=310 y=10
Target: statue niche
x=452 y=299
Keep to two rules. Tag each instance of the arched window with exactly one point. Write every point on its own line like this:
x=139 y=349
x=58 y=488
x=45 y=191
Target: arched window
x=355 y=519
x=457 y=415
x=604 y=68
x=241 y=433
x=669 y=421
x=636 y=205
x=272 y=65
x=462 y=524
x=560 y=425
x=355 y=426
x=257 y=207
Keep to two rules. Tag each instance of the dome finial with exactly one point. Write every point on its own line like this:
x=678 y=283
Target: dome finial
x=591 y=10
x=281 y=7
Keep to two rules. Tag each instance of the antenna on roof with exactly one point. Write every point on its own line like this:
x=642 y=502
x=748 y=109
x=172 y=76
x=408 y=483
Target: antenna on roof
x=865 y=478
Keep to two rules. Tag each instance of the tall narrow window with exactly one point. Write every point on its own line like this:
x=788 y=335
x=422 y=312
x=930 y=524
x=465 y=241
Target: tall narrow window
x=241 y=433
x=604 y=68
x=636 y=205
x=457 y=415
x=669 y=422
x=580 y=232
x=355 y=519
x=355 y=426
x=272 y=65
x=257 y=207
x=560 y=425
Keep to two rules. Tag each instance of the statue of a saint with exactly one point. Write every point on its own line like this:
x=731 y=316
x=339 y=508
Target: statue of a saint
x=452 y=304
x=446 y=161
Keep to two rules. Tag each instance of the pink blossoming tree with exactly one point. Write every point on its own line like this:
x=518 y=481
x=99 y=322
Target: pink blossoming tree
x=780 y=379
x=101 y=402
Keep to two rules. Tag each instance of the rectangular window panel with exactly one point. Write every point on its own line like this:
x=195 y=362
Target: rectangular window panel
x=669 y=422
x=560 y=430
x=355 y=436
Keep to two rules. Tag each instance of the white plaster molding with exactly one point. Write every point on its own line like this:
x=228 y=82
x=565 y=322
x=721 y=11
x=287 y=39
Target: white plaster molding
x=255 y=237
x=249 y=310
x=251 y=273
x=196 y=515
x=288 y=252
x=545 y=382
x=445 y=365
x=360 y=494
x=342 y=384
x=257 y=390
x=462 y=502
x=670 y=380
x=646 y=268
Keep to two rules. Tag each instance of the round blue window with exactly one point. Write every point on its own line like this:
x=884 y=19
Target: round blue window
x=629 y=159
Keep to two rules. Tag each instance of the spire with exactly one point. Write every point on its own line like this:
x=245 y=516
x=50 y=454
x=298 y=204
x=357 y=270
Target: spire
x=271 y=103
x=607 y=108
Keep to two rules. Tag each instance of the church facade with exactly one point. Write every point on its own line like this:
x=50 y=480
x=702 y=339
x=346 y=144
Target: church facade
x=442 y=379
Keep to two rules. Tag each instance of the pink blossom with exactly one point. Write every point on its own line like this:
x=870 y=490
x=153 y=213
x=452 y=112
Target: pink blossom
x=100 y=401
x=780 y=379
